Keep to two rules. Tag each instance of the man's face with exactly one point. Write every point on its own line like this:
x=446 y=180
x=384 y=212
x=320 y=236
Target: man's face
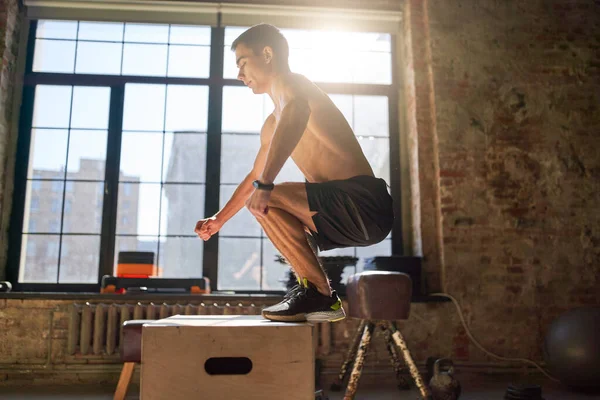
x=253 y=69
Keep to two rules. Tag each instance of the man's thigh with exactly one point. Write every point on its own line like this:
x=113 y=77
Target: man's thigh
x=292 y=197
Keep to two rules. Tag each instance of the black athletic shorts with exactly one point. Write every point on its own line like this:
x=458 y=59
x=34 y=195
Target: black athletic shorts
x=351 y=212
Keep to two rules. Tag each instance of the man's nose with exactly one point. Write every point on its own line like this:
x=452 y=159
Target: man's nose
x=240 y=76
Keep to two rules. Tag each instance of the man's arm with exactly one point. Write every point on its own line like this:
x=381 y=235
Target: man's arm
x=245 y=189
x=291 y=126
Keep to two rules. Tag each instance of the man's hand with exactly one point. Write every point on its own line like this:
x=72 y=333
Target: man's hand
x=207 y=227
x=258 y=202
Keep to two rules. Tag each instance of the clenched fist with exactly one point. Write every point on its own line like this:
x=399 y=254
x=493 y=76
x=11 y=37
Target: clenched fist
x=207 y=227
x=258 y=202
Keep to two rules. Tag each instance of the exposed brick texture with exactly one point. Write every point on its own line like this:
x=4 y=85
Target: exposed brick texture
x=517 y=89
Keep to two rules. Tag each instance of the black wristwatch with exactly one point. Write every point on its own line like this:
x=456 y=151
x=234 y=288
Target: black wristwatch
x=263 y=186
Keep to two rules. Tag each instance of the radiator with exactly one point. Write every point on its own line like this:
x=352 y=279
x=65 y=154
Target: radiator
x=97 y=328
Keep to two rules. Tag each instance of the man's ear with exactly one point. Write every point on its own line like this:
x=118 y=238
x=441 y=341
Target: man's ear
x=268 y=54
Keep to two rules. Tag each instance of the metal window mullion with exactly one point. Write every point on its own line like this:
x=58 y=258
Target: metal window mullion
x=64 y=191
x=76 y=48
x=53 y=78
x=20 y=187
x=210 y=264
x=162 y=183
x=111 y=182
x=122 y=50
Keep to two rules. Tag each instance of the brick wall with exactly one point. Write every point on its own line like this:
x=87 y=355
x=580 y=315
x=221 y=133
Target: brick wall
x=9 y=31
x=516 y=94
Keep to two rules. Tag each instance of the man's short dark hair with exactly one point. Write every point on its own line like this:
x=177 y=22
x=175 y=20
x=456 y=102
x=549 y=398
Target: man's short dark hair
x=262 y=35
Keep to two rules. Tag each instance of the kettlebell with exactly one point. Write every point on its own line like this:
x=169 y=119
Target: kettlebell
x=443 y=385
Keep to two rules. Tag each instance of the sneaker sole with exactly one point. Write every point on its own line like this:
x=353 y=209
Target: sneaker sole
x=319 y=316
x=326 y=316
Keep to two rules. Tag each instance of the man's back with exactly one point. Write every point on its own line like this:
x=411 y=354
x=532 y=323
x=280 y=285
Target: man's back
x=328 y=149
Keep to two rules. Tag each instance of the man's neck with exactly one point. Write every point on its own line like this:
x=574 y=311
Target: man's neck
x=274 y=78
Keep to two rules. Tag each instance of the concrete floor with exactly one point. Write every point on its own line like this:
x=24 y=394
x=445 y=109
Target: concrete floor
x=480 y=387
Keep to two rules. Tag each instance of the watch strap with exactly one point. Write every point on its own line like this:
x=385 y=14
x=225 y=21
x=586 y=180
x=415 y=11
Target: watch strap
x=263 y=186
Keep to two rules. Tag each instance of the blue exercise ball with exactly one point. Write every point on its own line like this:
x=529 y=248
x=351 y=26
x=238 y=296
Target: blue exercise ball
x=572 y=348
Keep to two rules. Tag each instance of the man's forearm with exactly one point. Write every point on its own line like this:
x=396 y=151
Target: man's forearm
x=237 y=201
x=287 y=135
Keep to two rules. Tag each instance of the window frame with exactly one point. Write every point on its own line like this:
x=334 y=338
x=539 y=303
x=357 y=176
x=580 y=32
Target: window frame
x=215 y=83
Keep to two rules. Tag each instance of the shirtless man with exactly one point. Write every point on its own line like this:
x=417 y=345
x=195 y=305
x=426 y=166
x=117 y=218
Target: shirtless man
x=342 y=204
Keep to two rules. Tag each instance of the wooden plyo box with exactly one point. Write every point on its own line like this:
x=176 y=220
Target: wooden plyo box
x=227 y=357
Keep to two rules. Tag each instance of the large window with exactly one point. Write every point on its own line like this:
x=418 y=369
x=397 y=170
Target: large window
x=130 y=133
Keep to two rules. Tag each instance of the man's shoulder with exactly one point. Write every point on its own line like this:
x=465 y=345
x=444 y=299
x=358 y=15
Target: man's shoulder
x=270 y=122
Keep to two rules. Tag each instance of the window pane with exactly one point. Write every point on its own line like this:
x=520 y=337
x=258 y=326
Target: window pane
x=231 y=33
x=323 y=55
x=43 y=206
x=52 y=107
x=48 y=153
x=289 y=173
x=87 y=154
x=84 y=212
x=145 y=59
x=181 y=257
x=54 y=56
x=239 y=269
x=371 y=117
x=238 y=153
x=371 y=41
x=144 y=107
x=243 y=223
x=230 y=70
x=345 y=251
x=138 y=209
x=322 y=65
x=98 y=58
x=185 y=158
x=243 y=111
x=39 y=259
x=134 y=243
x=182 y=207
x=302 y=61
x=56 y=29
x=187 y=108
x=189 y=61
x=374 y=68
x=107 y=31
x=90 y=107
x=344 y=103
x=377 y=151
x=184 y=34
x=79 y=259
x=141 y=156
x=275 y=274
x=382 y=249
x=146 y=33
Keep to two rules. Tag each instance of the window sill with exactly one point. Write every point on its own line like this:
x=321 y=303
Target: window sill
x=219 y=297
x=141 y=297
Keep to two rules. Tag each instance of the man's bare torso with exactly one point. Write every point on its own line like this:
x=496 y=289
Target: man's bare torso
x=328 y=149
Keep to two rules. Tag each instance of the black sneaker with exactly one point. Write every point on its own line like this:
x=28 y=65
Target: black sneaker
x=290 y=293
x=305 y=303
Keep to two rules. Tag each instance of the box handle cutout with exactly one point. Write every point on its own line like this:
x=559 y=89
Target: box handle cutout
x=228 y=365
